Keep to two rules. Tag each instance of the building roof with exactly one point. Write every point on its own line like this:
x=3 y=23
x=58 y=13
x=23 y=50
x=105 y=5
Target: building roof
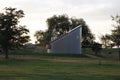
x=64 y=35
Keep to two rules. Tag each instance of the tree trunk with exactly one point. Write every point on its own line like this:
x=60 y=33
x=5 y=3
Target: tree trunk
x=105 y=44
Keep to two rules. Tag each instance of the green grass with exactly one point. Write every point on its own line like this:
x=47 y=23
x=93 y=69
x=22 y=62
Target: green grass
x=29 y=65
x=39 y=69
x=108 y=53
x=105 y=53
x=52 y=55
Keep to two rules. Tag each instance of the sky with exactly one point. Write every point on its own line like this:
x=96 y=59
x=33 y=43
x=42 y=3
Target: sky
x=96 y=13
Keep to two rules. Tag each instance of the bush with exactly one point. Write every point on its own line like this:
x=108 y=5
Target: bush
x=96 y=47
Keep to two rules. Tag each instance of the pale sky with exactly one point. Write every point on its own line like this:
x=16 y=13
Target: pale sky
x=96 y=13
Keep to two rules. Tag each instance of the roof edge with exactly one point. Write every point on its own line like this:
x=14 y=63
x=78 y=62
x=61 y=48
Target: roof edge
x=66 y=33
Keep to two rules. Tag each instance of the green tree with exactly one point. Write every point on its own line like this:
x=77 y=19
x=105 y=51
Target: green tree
x=106 y=40
x=115 y=36
x=96 y=47
x=42 y=38
x=58 y=25
x=61 y=24
x=12 y=35
x=39 y=35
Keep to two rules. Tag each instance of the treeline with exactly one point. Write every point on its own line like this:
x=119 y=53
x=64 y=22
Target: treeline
x=14 y=36
x=113 y=39
x=61 y=24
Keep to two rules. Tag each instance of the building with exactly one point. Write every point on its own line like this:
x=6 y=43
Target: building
x=69 y=43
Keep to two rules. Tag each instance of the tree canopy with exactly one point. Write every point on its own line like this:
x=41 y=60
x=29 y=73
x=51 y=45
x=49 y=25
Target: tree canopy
x=115 y=36
x=106 y=40
x=61 y=24
x=96 y=47
x=12 y=35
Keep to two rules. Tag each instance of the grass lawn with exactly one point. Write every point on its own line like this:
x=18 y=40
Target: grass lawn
x=58 y=68
x=29 y=65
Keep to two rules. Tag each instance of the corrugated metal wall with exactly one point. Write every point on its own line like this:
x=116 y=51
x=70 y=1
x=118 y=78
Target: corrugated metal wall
x=70 y=43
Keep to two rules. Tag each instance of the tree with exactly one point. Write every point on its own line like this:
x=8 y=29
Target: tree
x=62 y=24
x=106 y=40
x=96 y=47
x=39 y=36
x=59 y=25
x=12 y=35
x=115 y=36
x=103 y=40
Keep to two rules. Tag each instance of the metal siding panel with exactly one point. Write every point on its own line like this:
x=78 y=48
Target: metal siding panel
x=68 y=44
x=74 y=42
